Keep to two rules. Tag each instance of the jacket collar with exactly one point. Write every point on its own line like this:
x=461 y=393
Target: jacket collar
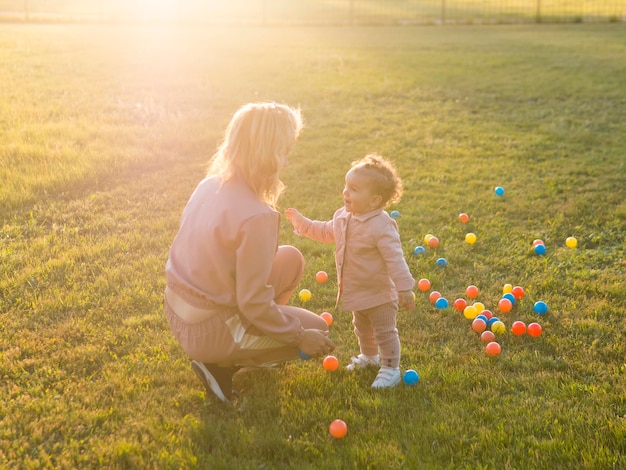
x=361 y=218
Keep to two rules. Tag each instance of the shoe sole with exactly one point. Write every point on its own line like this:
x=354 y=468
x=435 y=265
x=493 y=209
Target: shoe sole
x=209 y=382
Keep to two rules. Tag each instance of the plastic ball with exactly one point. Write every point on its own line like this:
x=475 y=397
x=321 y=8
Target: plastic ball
x=487 y=313
x=493 y=349
x=463 y=218
x=305 y=295
x=537 y=242
x=492 y=320
x=534 y=330
x=518 y=292
x=321 y=277
x=330 y=363
x=505 y=305
x=472 y=292
x=479 y=306
x=540 y=249
x=328 y=318
x=498 y=327
x=394 y=214
x=423 y=285
x=518 y=328
x=470 y=238
x=507 y=288
x=571 y=242
x=411 y=377
x=460 y=304
x=433 y=242
x=499 y=190
x=510 y=296
x=427 y=237
x=487 y=336
x=303 y=355
x=338 y=429
x=540 y=307
x=434 y=296
x=442 y=262
x=441 y=303
x=470 y=312
x=419 y=250
x=479 y=325
x=482 y=317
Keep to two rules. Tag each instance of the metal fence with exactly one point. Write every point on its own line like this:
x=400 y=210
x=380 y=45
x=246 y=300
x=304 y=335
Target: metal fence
x=316 y=11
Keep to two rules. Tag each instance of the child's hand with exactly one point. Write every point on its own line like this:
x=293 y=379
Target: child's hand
x=294 y=217
x=406 y=300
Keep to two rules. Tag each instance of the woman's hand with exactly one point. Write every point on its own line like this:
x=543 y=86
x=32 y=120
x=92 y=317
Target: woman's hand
x=316 y=343
x=406 y=300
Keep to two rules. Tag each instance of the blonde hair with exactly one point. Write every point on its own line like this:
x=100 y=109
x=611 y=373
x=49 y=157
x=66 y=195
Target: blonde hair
x=383 y=178
x=256 y=144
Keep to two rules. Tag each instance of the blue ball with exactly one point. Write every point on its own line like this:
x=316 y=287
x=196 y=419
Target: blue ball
x=492 y=320
x=511 y=297
x=395 y=214
x=541 y=307
x=499 y=190
x=483 y=318
x=441 y=303
x=442 y=263
x=540 y=249
x=303 y=355
x=419 y=250
x=411 y=377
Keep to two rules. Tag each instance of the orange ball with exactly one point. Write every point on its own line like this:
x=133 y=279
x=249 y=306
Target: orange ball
x=321 y=277
x=434 y=295
x=534 y=330
x=460 y=304
x=338 y=429
x=518 y=328
x=463 y=218
x=505 y=305
x=328 y=318
x=330 y=363
x=471 y=292
x=487 y=336
x=433 y=242
x=493 y=349
x=423 y=285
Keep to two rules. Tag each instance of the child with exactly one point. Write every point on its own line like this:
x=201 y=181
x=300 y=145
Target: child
x=372 y=272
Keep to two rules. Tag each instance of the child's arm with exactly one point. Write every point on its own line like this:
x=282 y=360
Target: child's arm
x=314 y=229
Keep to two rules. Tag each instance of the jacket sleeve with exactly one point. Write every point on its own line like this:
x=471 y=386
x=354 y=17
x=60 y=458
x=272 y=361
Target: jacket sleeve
x=390 y=247
x=256 y=248
x=317 y=230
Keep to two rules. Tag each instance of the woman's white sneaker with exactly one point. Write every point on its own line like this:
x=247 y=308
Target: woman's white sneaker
x=362 y=361
x=387 y=377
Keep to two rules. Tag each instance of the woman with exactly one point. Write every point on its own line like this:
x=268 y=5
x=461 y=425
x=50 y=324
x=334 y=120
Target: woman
x=228 y=280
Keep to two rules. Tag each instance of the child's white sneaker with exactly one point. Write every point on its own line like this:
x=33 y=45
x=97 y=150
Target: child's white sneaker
x=387 y=377
x=362 y=361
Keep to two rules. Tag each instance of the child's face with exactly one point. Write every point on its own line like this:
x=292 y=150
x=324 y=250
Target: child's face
x=357 y=194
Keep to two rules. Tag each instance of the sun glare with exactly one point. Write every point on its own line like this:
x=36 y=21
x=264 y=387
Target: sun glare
x=156 y=10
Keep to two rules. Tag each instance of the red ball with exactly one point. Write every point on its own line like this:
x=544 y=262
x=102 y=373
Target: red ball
x=328 y=318
x=479 y=325
x=487 y=313
x=460 y=304
x=518 y=328
x=471 y=292
x=433 y=242
x=493 y=349
x=463 y=218
x=534 y=330
x=487 y=336
x=537 y=242
x=338 y=429
x=321 y=277
x=518 y=292
x=434 y=295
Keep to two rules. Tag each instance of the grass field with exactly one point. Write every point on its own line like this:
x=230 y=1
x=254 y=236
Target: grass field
x=104 y=132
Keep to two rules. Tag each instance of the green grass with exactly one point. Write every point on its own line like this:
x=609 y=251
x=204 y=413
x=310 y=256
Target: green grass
x=104 y=132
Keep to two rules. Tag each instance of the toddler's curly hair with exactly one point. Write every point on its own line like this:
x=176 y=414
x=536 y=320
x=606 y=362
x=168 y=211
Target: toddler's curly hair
x=383 y=176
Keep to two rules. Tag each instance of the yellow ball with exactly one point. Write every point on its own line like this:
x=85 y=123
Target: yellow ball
x=479 y=306
x=470 y=238
x=427 y=237
x=305 y=295
x=571 y=242
x=498 y=327
x=507 y=289
x=470 y=312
